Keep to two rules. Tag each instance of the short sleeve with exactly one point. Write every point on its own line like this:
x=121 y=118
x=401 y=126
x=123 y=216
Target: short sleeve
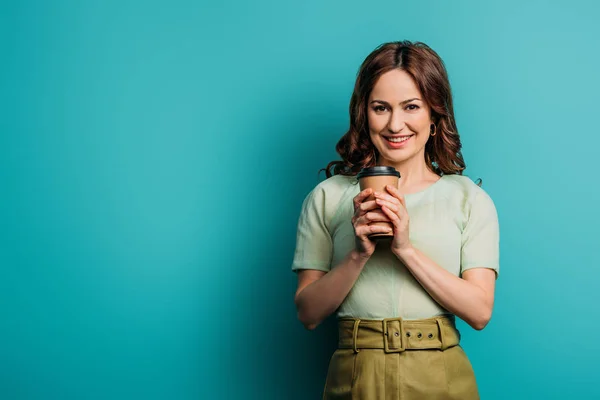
x=314 y=246
x=481 y=236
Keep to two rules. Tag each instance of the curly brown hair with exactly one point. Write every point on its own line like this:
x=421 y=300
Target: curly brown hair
x=443 y=150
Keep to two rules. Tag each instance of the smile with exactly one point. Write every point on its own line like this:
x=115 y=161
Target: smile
x=397 y=141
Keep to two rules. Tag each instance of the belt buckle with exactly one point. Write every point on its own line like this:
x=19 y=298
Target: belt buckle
x=386 y=343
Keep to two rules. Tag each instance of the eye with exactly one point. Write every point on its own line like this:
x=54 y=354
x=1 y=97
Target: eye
x=379 y=109
x=412 y=107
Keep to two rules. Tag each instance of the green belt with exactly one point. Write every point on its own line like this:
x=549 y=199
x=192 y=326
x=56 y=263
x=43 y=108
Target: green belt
x=396 y=335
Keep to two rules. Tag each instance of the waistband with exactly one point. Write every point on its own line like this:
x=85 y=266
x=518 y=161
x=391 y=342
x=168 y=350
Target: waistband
x=395 y=335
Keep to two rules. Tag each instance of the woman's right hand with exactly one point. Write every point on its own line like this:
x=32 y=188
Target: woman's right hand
x=365 y=212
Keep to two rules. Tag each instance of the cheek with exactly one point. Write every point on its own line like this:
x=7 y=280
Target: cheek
x=421 y=123
x=376 y=122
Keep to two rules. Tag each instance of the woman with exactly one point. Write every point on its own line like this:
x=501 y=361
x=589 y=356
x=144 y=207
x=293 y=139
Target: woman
x=396 y=305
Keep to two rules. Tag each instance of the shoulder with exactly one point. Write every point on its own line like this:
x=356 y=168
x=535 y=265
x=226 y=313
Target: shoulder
x=333 y=188
x=463 y=187
x=336 y=183
x=327 y=194
x=463 y=192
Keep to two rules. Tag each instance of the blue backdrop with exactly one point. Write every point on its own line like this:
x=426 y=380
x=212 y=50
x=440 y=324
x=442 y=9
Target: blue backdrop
x=154 y=157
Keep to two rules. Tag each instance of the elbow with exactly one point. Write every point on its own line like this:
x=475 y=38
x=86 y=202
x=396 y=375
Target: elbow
x=480 y=322
x=310 y=327
x=308 y=323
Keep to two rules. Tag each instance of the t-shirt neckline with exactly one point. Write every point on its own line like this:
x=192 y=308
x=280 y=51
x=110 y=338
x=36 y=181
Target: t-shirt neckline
x=427 y=189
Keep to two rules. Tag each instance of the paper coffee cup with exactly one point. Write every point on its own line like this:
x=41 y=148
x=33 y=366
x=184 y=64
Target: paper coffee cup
x=377 y=178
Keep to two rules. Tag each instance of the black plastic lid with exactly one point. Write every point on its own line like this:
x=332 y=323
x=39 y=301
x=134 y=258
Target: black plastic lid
x=378 y=171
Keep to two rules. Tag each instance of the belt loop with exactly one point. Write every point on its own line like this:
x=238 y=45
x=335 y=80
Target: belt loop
x=355 y=335
x=442 y=334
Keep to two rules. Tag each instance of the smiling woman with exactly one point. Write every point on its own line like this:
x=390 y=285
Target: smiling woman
x=394 y=121
x=397 y=299
x=390 y=93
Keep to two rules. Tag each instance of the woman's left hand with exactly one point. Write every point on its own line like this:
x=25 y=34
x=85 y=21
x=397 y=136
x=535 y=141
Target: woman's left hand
x=394 y=207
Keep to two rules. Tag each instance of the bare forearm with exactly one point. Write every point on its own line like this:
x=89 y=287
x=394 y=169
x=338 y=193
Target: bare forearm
x=462 y=298
x=321 y=298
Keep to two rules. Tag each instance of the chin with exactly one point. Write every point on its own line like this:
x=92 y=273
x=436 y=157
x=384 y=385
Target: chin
x=393 y=160
x=397 y=154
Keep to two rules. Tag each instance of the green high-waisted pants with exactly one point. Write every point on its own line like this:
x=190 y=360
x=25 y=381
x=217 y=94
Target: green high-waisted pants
x=395 y=359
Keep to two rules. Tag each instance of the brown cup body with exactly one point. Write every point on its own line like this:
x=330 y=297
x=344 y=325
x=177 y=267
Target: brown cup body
x=377 y=183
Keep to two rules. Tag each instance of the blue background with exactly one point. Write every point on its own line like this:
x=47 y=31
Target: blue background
x=154 y=157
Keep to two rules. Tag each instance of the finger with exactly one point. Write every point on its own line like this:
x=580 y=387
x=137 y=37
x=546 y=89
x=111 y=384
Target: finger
x=402 y=201
x=398 y=205
x=396 y=193
x=359 y=213
x=394 y=218
x=366 y=230
x=394 y=207
x=372 y=217
x=359 y=198
x=366 y=207
x=387 y=197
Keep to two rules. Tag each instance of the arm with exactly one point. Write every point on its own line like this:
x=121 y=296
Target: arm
x=320 y=293
x=471 y=297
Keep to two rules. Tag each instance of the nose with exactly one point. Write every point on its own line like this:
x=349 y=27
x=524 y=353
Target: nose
x=396 y=122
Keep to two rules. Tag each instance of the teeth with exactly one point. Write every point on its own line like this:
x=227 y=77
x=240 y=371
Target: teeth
x=399 y=140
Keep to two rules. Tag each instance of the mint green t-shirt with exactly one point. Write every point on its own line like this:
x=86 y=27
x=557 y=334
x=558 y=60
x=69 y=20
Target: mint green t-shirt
x=453 y=222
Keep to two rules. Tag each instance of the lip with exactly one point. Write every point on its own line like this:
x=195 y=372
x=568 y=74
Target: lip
x=397 y=145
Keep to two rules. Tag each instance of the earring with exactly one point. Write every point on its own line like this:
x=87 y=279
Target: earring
x=434 y=130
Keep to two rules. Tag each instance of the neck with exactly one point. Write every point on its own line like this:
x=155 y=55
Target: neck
x=413 y=173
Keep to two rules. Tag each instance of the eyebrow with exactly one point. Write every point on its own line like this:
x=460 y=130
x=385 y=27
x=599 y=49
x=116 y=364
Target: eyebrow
x=402 y=102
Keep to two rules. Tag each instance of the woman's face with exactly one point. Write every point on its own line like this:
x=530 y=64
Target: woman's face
x=399 y=119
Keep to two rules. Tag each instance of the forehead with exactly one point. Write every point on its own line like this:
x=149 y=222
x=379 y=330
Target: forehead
x=395 y=86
